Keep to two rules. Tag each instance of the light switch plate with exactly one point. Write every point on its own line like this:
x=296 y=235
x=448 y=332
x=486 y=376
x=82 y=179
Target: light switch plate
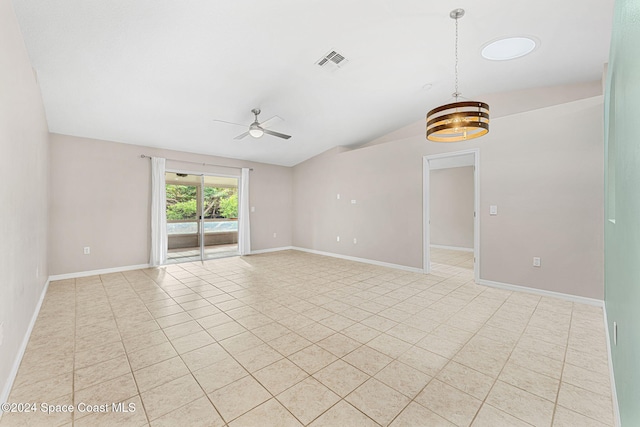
x=493 y=210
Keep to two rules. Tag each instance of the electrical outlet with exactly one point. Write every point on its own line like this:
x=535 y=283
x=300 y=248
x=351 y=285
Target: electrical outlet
x=338 y=196
x=87 y=250
x=337 y=238
x=355 y=240
x=253 y=208
x=536 y=261
x=353 y=201
x=274 y=235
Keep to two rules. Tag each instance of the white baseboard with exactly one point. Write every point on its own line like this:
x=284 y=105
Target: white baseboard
x=265 y=251
x=363 y=260
x=568 y=297
x=614 y=393
x=97 y=272
x=4 y=397
x=452 y=248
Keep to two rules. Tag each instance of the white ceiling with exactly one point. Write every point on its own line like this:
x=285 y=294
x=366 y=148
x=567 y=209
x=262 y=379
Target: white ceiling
x=157 y=72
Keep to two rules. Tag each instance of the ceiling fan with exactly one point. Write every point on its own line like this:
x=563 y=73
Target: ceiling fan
x=257 y=129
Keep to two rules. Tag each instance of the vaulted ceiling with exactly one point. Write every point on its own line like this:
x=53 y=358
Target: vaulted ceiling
x=158 y=72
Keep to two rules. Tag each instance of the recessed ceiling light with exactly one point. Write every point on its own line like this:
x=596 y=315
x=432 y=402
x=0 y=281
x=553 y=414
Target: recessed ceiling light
x=509 y=48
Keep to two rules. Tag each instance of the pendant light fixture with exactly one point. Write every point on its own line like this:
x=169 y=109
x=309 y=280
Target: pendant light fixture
x=461 y=120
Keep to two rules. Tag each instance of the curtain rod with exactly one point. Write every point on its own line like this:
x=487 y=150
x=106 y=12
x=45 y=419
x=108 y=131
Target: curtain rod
x=142 y=156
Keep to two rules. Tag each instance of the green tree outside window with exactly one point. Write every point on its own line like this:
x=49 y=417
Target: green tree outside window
x=218 y=202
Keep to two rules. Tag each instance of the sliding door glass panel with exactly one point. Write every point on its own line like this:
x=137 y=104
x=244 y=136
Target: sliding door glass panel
x=183 y=237
x=220 y=216
x=200 y=221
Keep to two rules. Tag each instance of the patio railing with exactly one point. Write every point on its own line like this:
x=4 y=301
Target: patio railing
x=185 y=233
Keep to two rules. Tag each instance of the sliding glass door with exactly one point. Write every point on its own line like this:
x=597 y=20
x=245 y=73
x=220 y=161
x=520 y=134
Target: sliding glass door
x=219 y=216
x=202 y=216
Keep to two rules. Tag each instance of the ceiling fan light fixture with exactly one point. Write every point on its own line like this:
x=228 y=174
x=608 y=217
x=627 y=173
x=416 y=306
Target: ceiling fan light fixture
x=255 y=130
x=460 y=120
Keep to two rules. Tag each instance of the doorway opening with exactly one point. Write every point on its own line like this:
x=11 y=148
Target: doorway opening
x=202 y=216
x=450 y=212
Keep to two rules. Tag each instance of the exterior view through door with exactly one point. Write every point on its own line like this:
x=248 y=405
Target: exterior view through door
x=202 y=216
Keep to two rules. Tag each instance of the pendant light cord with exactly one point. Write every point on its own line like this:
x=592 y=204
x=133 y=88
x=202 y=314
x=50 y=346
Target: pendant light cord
x=456 y=93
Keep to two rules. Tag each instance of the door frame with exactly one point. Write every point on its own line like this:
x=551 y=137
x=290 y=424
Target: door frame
x=201 y=200
x=426 y=170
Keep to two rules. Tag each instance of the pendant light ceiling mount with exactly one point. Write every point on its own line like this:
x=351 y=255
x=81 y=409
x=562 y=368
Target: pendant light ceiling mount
x=458 y=121
x=456 y=13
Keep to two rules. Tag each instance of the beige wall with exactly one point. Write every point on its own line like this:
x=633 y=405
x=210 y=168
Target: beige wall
x=386 y=220
x=451 y=207
x=543 y=168
x=100 y=197
x=23 y=192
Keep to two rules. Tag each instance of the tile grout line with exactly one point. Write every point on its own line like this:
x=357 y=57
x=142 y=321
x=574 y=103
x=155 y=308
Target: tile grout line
x=75 y=337
x=564 y=361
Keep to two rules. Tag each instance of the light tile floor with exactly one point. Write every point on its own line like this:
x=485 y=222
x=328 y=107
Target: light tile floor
x=290 y=339
x=463 y=259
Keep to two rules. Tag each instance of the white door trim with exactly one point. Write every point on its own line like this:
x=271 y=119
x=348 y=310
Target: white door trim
x=476 y=206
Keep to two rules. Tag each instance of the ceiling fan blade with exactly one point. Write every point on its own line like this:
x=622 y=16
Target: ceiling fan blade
x=242 y=135
x=230 y=123
x=278 y=134
x=270 y=122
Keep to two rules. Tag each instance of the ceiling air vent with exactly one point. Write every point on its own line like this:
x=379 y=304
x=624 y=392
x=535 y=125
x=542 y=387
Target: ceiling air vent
x=332 y=61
